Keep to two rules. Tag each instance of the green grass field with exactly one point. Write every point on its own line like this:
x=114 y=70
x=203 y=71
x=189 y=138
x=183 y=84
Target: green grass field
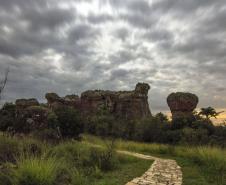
x=31 y=162
x=200 y=165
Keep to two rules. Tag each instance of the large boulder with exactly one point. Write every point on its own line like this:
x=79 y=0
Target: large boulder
x=182 y=104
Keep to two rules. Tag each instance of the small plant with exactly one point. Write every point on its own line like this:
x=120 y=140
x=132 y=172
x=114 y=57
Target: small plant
x=78 y=179
x=105 y=159
x=36 y=171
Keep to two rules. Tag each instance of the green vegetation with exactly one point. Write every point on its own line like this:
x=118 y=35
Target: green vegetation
x=69 y=121
x=37 y=147
x=36 y=171
x=200 y=165
x=158 y=129
x=27 y=161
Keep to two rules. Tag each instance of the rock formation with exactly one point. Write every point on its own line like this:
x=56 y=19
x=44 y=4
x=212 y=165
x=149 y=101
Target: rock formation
x=55 y=102
x=124 y=104
x=24 y=103
x=182 y=104
x=34 y=115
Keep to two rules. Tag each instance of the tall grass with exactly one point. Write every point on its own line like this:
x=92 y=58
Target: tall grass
x=211 y=159
x=9 y=149
x=36 y=171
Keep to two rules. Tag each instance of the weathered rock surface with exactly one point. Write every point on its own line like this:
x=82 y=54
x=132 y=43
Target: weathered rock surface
x=182 y=104
x=125 y=104
x=24 y=103
x=54 y=101
x=34 y=115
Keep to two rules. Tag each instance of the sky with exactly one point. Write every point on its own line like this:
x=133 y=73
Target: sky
x=69 y=46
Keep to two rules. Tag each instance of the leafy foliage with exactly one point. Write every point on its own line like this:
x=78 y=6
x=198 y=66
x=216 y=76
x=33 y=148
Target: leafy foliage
x=70 y=122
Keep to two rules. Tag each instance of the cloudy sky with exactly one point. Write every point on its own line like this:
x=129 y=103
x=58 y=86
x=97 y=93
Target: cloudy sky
x=68 y=46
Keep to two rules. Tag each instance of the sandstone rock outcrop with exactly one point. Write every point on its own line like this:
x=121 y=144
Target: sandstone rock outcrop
x=54 y=101
x=182 y=104
x=125 y=104
x=34 y=115
x=24 y=103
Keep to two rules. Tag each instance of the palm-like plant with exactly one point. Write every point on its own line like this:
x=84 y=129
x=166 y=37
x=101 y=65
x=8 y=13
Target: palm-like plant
x=209 y=112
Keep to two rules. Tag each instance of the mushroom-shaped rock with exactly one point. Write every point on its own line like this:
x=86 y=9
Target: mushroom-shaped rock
x=52 y=97
x=182 y=104
x=54 y=101
x=142 y=88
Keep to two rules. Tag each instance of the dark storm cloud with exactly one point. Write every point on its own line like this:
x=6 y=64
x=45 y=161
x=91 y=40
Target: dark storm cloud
x=69 y=46
x=48 y=18
x=81 y=32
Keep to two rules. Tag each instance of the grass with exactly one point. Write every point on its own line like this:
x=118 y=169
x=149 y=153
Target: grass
x=200 y=165
x=30 y=162
x=131 y=168
x=36 y=171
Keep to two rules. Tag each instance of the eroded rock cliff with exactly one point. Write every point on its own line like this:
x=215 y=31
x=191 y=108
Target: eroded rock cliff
x=125 y=104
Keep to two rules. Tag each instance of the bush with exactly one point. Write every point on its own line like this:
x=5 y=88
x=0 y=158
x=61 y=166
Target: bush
x=105 y=159
x=70 y=123
x=32 y=147
x=74 y=154
x=7 y=116
x=36 y=171
x=103 y=123
x=194 y=136
x=151 y=129
x=48 y=135
x=5 y=173
x=52 y=120
x=9 y=149
x=78 y=179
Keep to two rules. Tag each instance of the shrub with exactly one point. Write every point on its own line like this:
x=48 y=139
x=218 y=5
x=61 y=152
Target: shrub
x=105 y=159
x=36 y=171
x=78 y=179
x=70 y=123
x=9 y=149
x=194 y=136
x=7 y=116
x=31 y=147
x=5 y=173
x=74 y=154
x=47 y=135
x=52 y=120
x=151 y=129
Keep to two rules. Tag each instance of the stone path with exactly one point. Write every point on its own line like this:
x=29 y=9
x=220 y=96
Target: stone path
x=162 y=171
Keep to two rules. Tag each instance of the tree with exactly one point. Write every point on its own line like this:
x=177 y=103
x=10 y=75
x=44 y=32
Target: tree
x=3 y=82
x=70 y=123
x=209 y=112
x=161 y=117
